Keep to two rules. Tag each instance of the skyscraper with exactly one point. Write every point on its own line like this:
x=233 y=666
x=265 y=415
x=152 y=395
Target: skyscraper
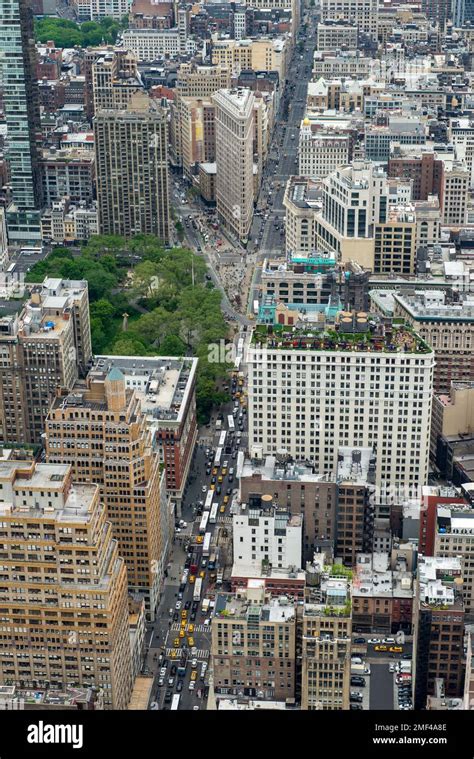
x=234 y=159
x=22 y=114
x=64 y=585
x=119 y=458
x=132 y=169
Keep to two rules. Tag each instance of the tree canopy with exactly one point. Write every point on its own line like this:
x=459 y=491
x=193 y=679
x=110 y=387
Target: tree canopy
x=171 y=309
x=66 y=33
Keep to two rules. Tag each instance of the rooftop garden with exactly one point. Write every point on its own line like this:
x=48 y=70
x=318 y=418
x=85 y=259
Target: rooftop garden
x=398 y=339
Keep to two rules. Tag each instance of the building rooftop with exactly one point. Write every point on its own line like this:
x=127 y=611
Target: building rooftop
x=435 y=305
x=163 y=384
x=372 y=337
x=355 y=464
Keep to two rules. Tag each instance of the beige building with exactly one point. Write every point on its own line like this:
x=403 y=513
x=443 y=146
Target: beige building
x=198 y=83
x=254 y=644
x=395 y=242
x=45 y=347
x=428 y=220
x=198 y=135
x=132 y=169
x=453 y=413
x=101 y=431
x=257 y=54
x=114 y=79
x=456 y=181
x=64 y=585
x=234 y=159
x=326 y=664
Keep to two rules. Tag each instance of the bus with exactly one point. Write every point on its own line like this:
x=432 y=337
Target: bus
x=197 y=589
x=222 y=439
x=204 y=521
x=212 y=561
x=208 y=502
x=11 y=268
x=230 y=422
x=207 y=543
x=213 y=513
x=205 y=605
x=175 y=702
x=218 y=456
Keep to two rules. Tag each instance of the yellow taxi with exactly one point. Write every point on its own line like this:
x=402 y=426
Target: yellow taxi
x=202 y=574
x=191 y=579
x=182 y=633
x=226 y=499
x=190 y=641
x=191 y=628
x=199 y=539
x=380 y=648
x=194 y=675
x=220 y=478
x=212 y=486
x=184 y=614
x=215 y=470
x=174 y=653
x=242 y=401
x=396 y=649
x=224 y=472
x=222 y=509
x=176 y=643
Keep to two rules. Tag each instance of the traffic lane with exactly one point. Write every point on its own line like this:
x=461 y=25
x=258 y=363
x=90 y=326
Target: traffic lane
x=381 y=687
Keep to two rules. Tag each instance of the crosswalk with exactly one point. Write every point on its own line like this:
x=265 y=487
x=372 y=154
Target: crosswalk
x=225 y=520
x=199 y=653
x=176 y=627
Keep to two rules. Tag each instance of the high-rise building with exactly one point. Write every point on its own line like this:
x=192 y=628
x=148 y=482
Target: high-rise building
x=311 y=394
x=114 y=78
x=22 y=115
x=132 y=169
x=234 y=159
x=45 y=347
x=254 y=644
x=64 y=585
x=166 y=388
x=326 y=662
x=355 y=199
x=101 y=431
x=194 y=83
x=438 y=628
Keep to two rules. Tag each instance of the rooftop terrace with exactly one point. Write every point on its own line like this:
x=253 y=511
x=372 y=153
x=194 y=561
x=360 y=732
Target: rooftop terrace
x=376 y=337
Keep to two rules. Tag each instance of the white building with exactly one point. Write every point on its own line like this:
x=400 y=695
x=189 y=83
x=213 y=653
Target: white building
x=336 y=35
x=363 y=13
x=321 y=152
x=150 y=44
x=91 y=10
x=311 y=393
x=266 y=533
